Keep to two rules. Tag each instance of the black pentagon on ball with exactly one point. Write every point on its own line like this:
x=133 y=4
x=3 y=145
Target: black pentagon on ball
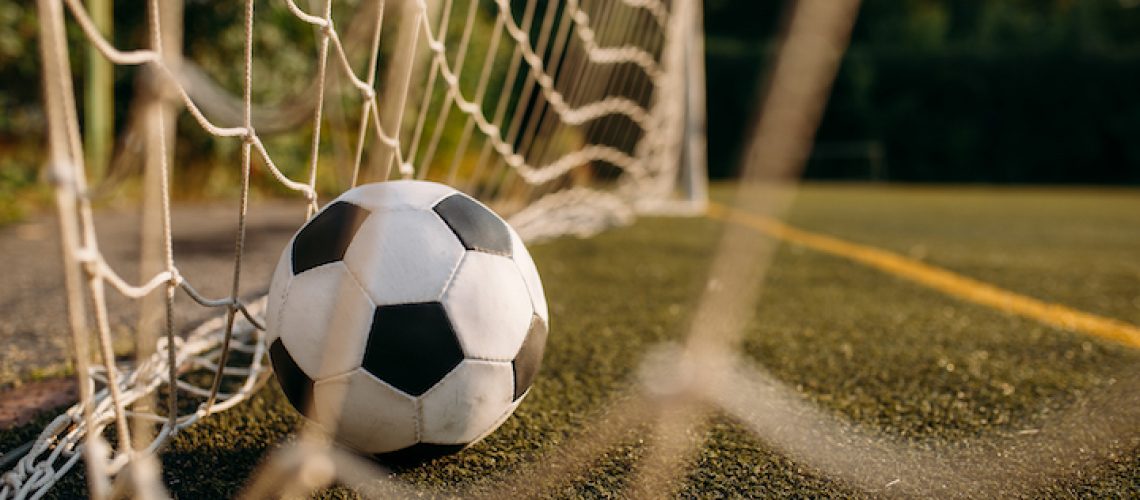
x=477 y=227
x=417 y=454
x=411 y=346
x=297 y=386
x=326 y=237
x=529 y=358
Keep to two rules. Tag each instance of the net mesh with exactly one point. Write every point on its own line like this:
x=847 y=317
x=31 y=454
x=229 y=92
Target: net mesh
x=566 y=116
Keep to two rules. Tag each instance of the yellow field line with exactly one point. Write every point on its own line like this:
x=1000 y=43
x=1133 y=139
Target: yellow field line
x=947 y=282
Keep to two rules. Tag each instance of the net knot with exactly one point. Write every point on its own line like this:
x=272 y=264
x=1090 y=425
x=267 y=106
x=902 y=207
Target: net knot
x=86 y=256
x=176 y=278
x=60 y=174
x=406 y=169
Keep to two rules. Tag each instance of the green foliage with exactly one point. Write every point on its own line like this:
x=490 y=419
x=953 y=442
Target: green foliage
x=284 y=47
x=21 y=119
x=18 y=63
x=1024 y=90
x=20 y=193
x=990 y=116
x=957 y=90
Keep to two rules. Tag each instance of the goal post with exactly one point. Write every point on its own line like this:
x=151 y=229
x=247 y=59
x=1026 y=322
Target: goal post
x=567 y=116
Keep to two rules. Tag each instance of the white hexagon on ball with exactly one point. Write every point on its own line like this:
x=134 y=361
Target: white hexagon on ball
x=467 y=402
x=379 y=256
x=490 y=307
x=364 y=411
x=325 y=299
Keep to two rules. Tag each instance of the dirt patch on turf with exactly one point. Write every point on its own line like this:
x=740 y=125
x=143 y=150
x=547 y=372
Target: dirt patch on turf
x=20 y=405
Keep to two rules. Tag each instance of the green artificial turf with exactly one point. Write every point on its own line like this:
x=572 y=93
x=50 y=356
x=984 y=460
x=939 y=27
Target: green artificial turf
x=873 y=350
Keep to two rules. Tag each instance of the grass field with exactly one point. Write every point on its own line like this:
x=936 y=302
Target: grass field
x=882 y=353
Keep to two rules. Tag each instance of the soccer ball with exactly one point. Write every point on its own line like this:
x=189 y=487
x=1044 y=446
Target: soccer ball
x=407 y=318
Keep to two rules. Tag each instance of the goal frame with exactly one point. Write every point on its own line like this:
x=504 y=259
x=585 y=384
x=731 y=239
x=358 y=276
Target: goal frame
x=85 y=280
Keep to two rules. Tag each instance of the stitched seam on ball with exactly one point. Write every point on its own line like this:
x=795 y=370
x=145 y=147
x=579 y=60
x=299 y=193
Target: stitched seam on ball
x=502 y=418
x=360 y=286
x=491 y=359
x=508 y=254
x=284 y=300
x=280 y=313
x=446 y=284
x=436 y=386
x=372 y=300
x=489 y=251
x=399 y=208
x=367 y=296
x=385 y=383
x=451 y=279
x=418 y=404
x=526 y=284
x=335 y=375
x=442 y=197
x=474 y=248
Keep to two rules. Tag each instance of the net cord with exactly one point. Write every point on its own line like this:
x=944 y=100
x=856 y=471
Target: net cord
x=64 y=440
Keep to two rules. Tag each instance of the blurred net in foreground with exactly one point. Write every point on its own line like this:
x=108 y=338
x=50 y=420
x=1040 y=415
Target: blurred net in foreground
x=566 y=116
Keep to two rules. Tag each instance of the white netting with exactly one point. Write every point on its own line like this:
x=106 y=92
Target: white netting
x=572 y=121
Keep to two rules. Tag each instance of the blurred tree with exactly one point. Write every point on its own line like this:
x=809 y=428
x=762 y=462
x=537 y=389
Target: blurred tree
x=957 y=90
x=988 y=90
x=99 y=125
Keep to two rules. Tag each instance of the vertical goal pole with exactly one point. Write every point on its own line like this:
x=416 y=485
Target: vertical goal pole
x=160 y=131
x=99 y=105
x=398 y=79
x=65 y=172
x=694 y=164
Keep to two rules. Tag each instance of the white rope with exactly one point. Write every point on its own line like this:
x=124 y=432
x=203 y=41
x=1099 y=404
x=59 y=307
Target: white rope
x=425 y=103
x=453 y=90
x=575 y=116
x=610 y=55
x=367 y=107
x=322 y=70
x=503 y=100
x=59 y=446
x=571 y=115
x=480 y=92
x=572 y=73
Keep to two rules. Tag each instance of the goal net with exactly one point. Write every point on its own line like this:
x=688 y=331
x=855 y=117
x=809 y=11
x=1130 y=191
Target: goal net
x=566 y=116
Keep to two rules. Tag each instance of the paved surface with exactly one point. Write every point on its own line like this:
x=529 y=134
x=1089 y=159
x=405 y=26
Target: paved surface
x=34 y=329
